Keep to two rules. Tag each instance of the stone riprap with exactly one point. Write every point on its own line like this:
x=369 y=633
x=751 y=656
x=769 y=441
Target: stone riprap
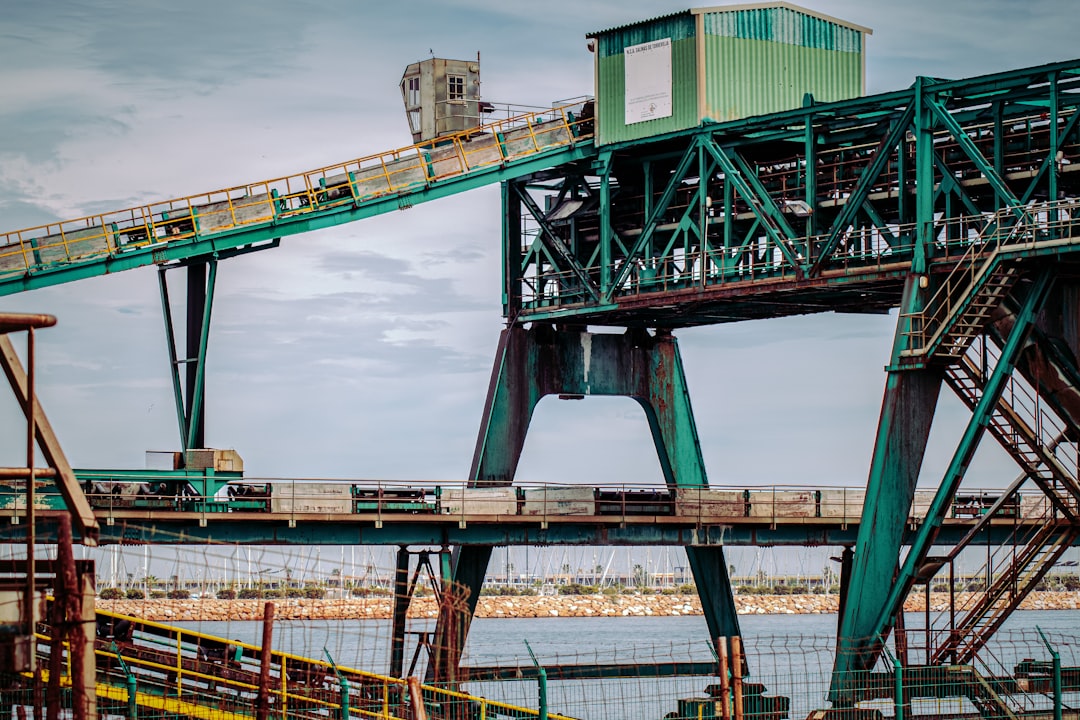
x=494 y=606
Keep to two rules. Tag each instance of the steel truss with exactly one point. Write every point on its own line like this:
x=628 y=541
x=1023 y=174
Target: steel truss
x=954 y=201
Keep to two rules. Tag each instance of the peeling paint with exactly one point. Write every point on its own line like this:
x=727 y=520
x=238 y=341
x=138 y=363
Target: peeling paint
x=586 y=349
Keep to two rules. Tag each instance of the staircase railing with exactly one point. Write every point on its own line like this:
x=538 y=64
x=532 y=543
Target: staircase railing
x=1007 y=230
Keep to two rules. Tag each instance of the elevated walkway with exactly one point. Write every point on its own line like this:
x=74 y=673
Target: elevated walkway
x=150 y=669
x=257 y=215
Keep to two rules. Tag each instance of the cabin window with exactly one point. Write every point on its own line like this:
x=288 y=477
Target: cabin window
x=412 y=92
x=455 y=87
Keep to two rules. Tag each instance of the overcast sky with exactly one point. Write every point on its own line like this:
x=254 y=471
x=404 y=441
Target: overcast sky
x=364 y=351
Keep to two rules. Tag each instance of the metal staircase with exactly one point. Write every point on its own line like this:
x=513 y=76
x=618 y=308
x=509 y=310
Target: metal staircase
x=1036 y=439
x=961 y=308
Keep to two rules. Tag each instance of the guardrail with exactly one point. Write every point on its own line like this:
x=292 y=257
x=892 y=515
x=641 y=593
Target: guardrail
x=184 y=672
x=376 y=500
x=372 y=177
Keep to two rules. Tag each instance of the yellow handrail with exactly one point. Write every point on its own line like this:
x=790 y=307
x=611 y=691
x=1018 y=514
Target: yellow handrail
x=244 y=206
x=183 y=683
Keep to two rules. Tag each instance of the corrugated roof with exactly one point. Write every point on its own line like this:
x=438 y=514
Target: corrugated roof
x=734 y=8
x=678 y=13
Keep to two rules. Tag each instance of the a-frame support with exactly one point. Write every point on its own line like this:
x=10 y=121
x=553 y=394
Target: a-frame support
x=545 y=360
x=190 y=401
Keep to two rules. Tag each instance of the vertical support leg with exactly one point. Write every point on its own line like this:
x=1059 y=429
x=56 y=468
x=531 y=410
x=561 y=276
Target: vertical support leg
x=714 y=588
x=190 y=395
x=846 y=559
x=196 y=302
x=671 y=419
x=401 y=609
x=903 y=430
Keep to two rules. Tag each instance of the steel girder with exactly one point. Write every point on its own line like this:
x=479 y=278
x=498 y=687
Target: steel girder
x=810 y=210
x=544 y=360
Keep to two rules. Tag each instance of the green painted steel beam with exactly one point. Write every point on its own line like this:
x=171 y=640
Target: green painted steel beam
x=651 y=222
x=765 y=211
x=261 y=529
x=969 y=442
x=885 y=149
x=961 y=137
x=531 y=364
x=903 y=430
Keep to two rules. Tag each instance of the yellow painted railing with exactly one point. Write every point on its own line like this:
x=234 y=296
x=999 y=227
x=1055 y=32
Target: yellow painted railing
x=393 y=173
x=198 y=675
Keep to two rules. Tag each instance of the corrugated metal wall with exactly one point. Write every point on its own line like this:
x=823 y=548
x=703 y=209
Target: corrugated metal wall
x=611 y=79
x=762 y=60
x=754 y=77
x=757 y=60
x=783 y=25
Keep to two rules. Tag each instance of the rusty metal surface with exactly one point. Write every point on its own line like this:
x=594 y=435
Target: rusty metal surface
x=17 y=322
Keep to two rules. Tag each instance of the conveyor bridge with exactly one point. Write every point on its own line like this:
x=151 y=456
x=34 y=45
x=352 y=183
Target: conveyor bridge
x=257 y=215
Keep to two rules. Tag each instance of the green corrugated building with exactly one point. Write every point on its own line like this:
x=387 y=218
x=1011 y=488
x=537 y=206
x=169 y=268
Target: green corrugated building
x=721 y=63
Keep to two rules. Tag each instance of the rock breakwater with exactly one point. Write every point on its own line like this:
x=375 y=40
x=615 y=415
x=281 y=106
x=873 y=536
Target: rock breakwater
x=495 y=606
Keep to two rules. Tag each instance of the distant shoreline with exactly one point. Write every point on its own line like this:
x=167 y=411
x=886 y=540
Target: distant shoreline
x=501 y=606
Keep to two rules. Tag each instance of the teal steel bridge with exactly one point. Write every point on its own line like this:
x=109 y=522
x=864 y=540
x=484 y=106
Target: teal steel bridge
x=955 y=202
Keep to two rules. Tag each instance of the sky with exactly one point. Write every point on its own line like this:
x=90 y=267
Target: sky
x=364 y=351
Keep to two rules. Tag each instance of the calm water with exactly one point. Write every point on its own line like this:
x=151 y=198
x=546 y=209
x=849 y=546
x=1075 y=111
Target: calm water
x=790 y=654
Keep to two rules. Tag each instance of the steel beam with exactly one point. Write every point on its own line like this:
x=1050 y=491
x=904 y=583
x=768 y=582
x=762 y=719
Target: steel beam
x=189 y=397
x=49 y=444
x=864 y=625
x=903 y=430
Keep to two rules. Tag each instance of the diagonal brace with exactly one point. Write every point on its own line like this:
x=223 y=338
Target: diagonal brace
x=858 y=196
x=554 y=242
x=653 y=220
x=969 y=442
x=66 y=481
x=964 y=141
x=740 y=176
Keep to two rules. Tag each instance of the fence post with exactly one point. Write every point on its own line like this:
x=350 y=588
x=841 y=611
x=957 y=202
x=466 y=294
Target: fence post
x=416 y=698
x=129 y=679
x=1056 y=659
x=898 y=683
x=736 y=675
x=541 y=685
x=262 y=703
x=725 y=682
x=346 y=711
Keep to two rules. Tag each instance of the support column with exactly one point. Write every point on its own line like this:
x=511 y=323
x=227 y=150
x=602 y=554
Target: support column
x=401 y=609
x=543 y=361
x=846 y=558
x=190 y=394
x=907 y=412
x=196 y=305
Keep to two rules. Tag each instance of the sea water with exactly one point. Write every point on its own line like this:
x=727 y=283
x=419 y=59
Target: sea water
x=790 y=654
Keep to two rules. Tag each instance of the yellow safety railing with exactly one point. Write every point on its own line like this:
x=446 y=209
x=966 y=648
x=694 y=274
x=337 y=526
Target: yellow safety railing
x=173 y=671
x=396 y=172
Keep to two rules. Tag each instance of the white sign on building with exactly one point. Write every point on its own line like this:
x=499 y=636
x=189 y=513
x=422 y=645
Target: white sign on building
x=648 y=81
